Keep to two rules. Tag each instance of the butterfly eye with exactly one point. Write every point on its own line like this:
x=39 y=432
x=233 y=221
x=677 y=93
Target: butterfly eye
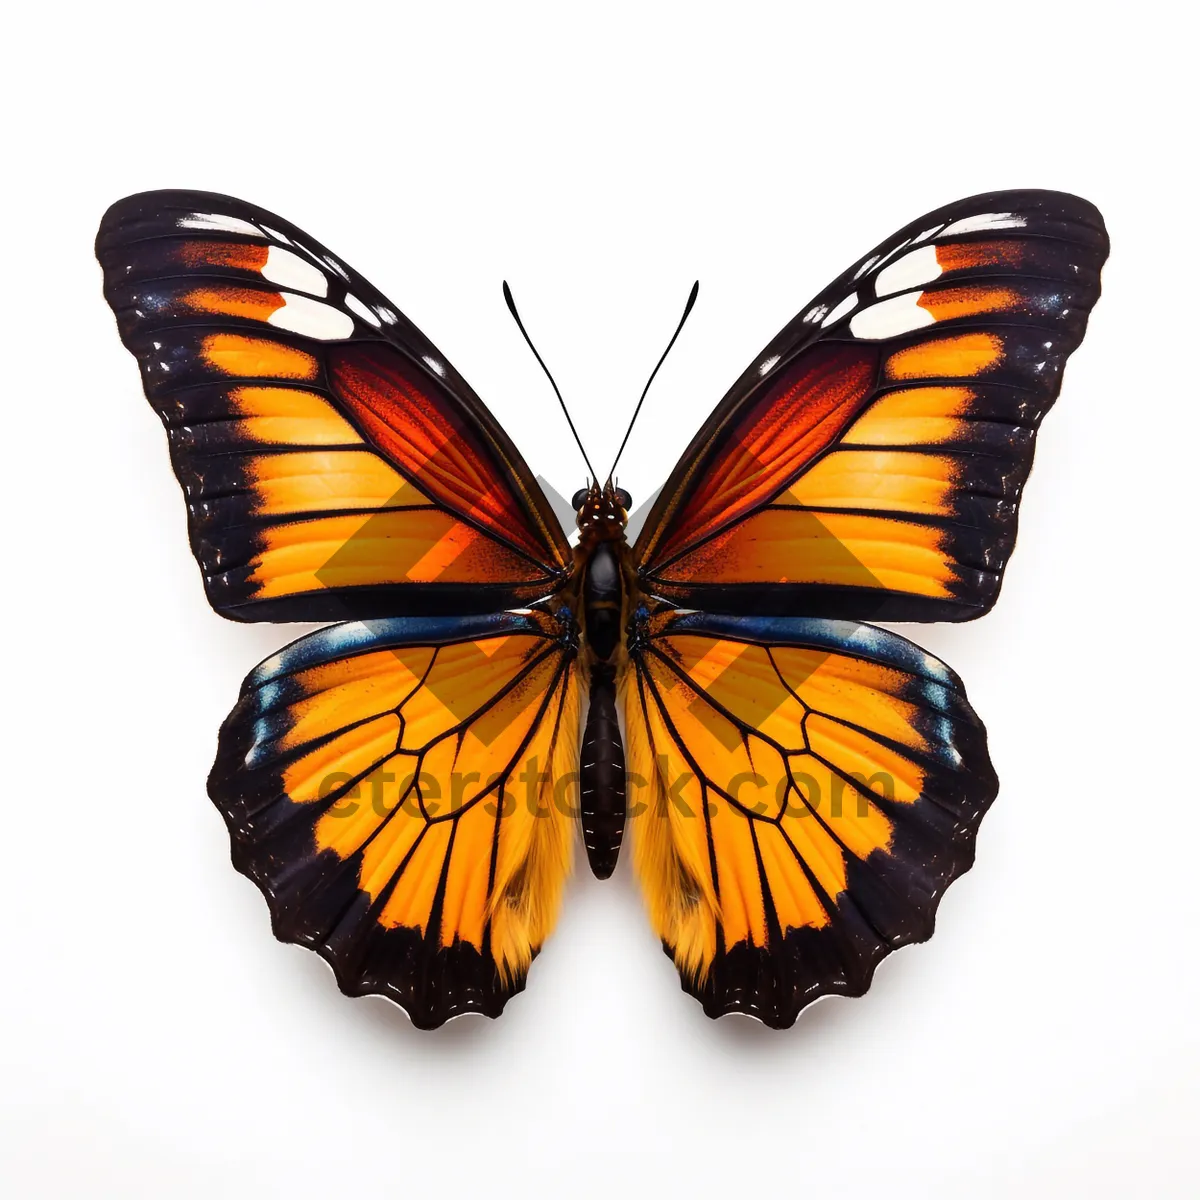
x=624 y=499
x=578 y=499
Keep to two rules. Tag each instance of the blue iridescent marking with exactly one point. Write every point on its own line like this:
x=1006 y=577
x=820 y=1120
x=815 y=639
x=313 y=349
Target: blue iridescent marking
x=844 y=637
x=362 y=637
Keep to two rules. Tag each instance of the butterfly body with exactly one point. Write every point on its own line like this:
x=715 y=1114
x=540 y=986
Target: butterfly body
x=405 y=786
x=606 y=568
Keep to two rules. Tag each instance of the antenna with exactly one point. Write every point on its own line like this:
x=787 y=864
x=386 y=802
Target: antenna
x=691 y=300
x=512 y=308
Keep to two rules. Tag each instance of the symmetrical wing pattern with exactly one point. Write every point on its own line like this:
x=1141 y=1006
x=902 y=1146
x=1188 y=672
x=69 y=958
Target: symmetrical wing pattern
x=805 y=790
x=802 y=788
x=870 y=461
x=391 y=789
x=333 y=461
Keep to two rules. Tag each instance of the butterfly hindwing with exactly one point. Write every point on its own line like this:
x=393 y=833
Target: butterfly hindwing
x=804 y=790
x=869 y=463
x=334 y=463
x=390 y=788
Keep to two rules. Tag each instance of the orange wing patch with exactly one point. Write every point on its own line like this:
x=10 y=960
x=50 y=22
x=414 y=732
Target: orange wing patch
x=250 y=303
x=966 y=256
x=233 y=354
x=278 y=416
x=789 y=545
x=424 y=545
x=964 y=355
x=914 y=417
x=240 y=256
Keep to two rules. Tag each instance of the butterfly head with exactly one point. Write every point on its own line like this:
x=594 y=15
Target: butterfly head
x=601 y=512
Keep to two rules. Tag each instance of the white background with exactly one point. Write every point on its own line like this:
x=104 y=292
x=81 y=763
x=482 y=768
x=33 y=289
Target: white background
x=156 y=1041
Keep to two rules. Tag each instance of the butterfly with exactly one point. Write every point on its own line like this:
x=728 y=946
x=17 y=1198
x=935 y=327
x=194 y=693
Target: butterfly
x=800 y=786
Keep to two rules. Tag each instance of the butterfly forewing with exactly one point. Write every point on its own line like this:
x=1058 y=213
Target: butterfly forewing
x=871 y=460
x=333 y=461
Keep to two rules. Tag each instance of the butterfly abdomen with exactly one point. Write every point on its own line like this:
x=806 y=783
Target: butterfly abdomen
x=602 y=775
x=602 y=761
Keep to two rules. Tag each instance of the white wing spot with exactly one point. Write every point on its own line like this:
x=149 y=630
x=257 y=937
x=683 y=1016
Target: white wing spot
x=915 y=268
x=359 y=309
x=311 y=318
x=311 y=254
x=336 y=267
x=890 y=318
x=218 y=222
x=291 y=271
x=767 y=364
x=893 y=252
x=867 y=265
x=432 y=363
x=982 y=222
x=846 y=306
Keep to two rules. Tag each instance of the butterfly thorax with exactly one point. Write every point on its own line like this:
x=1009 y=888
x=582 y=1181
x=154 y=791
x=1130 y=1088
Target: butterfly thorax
x=601 y=515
